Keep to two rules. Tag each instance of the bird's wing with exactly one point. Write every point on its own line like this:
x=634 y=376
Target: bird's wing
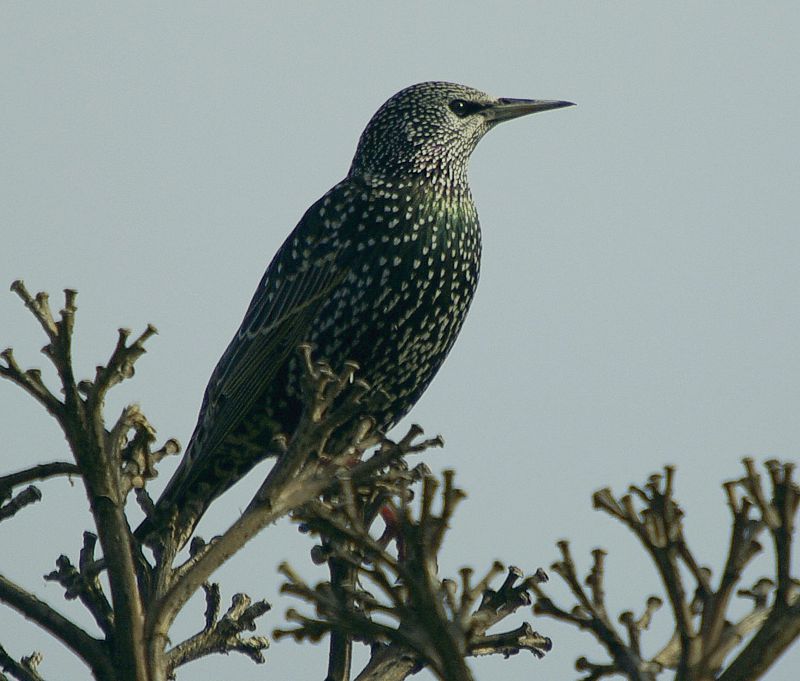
x=300 y=279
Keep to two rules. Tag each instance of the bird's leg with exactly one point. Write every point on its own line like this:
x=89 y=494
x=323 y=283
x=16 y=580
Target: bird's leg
x=388 y=513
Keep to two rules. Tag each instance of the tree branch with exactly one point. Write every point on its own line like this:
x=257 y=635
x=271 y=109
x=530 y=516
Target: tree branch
x=80 y=416
x=39 y=472
x=84 y=584
x=223 y=635
x=433 y=626
x=30 y=495
x=697 y=650
x=24 y=670
x=89 y=649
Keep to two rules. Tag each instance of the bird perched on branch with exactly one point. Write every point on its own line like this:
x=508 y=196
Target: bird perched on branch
x=381 y=270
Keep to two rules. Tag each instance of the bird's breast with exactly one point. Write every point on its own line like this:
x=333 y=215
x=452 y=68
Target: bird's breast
x=412 y=273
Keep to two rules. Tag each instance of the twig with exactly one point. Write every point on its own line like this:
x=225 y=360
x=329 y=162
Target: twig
x=40 y=472
x=223 y=635
x=30 y=495
x=782 y=624
x=697 y=650
x=89 y=649
x=24 y=670
x=80 y=416
x=85 y=585
x=433 y=626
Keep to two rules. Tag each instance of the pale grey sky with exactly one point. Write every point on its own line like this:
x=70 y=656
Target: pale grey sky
x=639 y=294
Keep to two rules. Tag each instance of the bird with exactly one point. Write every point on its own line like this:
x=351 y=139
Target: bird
x=380 y=271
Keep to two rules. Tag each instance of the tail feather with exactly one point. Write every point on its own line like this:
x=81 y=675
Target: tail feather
x=188 y=495
x=183 y=502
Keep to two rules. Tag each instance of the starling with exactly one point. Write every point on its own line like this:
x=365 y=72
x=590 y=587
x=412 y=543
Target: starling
x=381 y=270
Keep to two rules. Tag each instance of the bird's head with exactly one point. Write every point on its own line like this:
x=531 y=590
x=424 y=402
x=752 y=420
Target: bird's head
x=430 y=129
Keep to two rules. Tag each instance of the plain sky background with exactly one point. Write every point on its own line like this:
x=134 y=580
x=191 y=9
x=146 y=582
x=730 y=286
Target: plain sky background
x=639 y=294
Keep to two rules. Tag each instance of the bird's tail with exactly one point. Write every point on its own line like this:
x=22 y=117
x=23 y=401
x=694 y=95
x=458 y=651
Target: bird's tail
x=199 y=480
x=169 y=524
x=183 y=502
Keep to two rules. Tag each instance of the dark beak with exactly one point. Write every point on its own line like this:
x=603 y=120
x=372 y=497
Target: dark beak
x=505 y=109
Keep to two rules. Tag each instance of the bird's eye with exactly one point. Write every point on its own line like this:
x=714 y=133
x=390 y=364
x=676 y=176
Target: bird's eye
x=462 y=108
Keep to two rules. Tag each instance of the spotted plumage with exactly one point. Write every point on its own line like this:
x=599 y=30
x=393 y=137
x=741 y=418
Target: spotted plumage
x=381 y=270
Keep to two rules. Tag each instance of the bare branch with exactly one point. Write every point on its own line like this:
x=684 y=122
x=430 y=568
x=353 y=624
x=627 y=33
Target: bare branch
x=781 y=627
x=84 y=584
x=89 y=649
x=223 y=635
x=30 y=495
x=24 y=670
x=31 y=382
x=40 y=472
x=80 y=416
x=591 y=614
x=704 y=636
x=432 y=625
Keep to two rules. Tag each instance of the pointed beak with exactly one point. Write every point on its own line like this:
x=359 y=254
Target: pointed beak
x=504 y=109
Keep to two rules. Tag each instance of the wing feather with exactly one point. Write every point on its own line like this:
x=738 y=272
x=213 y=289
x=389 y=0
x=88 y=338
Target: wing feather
x=279 y=318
